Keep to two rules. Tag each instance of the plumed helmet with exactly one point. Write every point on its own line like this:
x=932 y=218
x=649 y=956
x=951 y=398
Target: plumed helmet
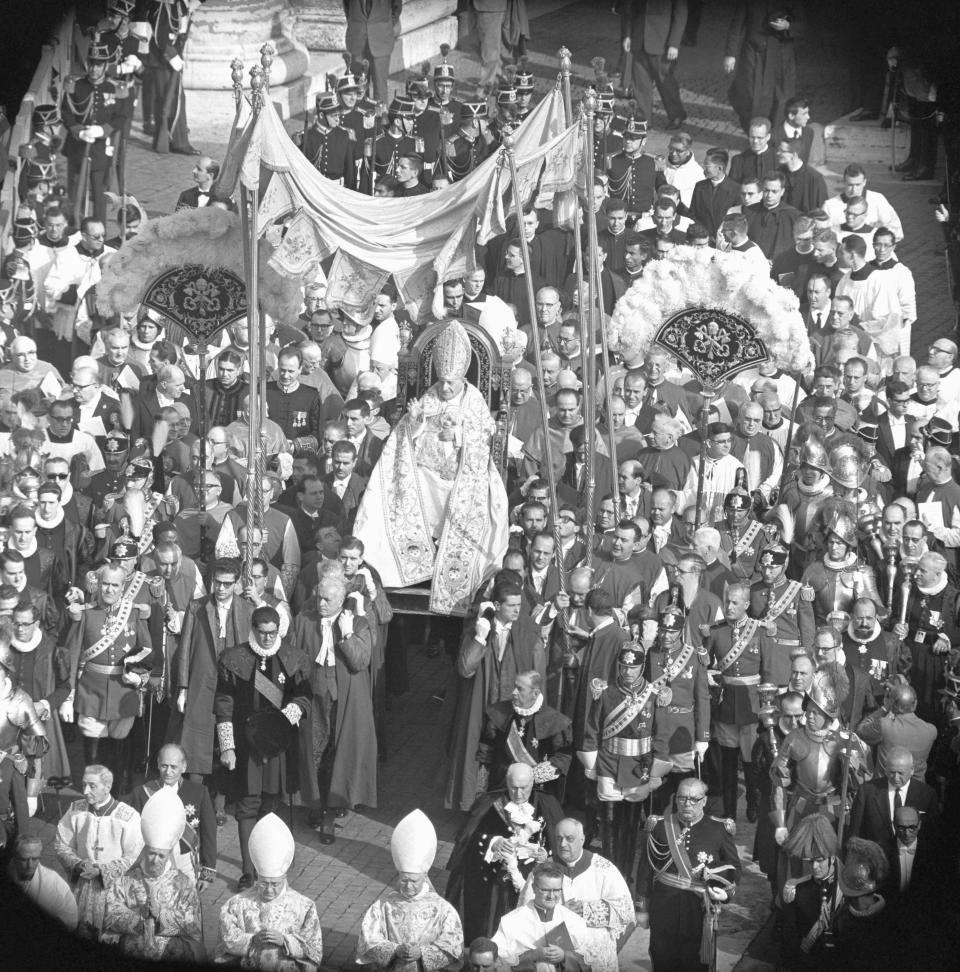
x=814 y=455
x=162 y=819
x=773 y=557
x=671 y=618
x=844 y=527
x=271 y=847
x=865 y=867
x=847 y=470
x=782 y=519
x=444 y=71
x=739 y=497
x=413 y=845
x=451 y=352
x=813 y=837
x=829 y=689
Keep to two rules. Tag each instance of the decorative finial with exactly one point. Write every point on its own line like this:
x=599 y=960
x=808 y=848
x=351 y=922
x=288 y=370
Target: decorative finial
x=236 y=72
x=507 y=139
x=266 y=60
x=256 y=87
x=566 y=59
x=590 y=103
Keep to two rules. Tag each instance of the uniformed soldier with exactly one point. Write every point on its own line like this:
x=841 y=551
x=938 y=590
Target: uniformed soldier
x=357 y=116
x=91 y=114
x=786 y=608
x=126 y=71
x=111 y=657
x=523 y=82
x=682 y=719
x=471 y=144
x=506 y=117
x=444 y=80
x=617 y=750
x=690 y=865
x=632 y=174
x=426 y=123
x=327 y=145
x=385 y=150
x=607 y=142
x=739 y=649
x=39 y=155
x=742 y=536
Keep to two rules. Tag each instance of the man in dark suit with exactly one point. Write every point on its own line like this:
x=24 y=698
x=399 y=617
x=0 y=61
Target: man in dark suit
x=714 y=195
x=372 y=29
x=878 y=800
x=770 y=221
x=759 y=159
x=171 y=387
x=355 y=414
x=652 y=30
x=892 y=427
x=344 y=481
x=204 y=175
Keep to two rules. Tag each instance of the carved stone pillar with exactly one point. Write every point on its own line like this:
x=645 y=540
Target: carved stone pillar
x=225 y=29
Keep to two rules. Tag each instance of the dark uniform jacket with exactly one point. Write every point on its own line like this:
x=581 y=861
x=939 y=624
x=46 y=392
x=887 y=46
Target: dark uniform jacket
x=331 y=152
x=91 y=104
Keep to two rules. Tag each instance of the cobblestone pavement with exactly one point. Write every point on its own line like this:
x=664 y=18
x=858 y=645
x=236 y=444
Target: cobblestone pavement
x=346 y=876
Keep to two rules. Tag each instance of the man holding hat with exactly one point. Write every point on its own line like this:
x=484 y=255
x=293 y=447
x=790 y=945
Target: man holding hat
x=410 y=928
x=270 y=925
x=155 y=908
x=328 y=145
x=91 y=114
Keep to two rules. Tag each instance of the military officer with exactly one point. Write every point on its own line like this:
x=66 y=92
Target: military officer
x=444 y=80
x=383 y=152
x=91 y=114
x=523 y=82
x=786 y=608
x=742 y=537
x=506 y=113
x=618 y=750
x=111 y=657
x=873 y=651
x=39 y=155
x=633 y=174
x=327 y=145
x=606 y=141
x=426 y=123
x=127 y=68
x=470 y=145
x=740 y=650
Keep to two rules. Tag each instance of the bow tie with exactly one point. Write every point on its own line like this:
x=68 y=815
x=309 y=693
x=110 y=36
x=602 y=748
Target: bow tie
x=909 y=851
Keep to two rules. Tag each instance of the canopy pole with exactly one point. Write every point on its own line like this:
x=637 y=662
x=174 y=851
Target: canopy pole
x=508 y=146
x=251 y=234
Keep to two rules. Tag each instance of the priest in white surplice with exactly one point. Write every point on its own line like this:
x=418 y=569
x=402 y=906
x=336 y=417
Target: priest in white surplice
x=594 y=889
x=435 y=508
x=410 y=928
x=542 y=935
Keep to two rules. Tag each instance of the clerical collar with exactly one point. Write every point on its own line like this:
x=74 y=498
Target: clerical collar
x=934 y=588
x=532 y=710
x=84 y=250
x=886 y=265
x=862 y=273
x=28 y=552
x=44 y=241
x=874 y=633
x=104 y=808
x=53 y=522
x=25 y=647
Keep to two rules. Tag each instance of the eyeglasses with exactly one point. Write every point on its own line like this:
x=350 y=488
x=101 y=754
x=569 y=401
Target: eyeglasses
x=272 y=633
x=24 y=624
x=933 y=347
x=51 y=477
x=690 y=799
x=257 y=576
x=222 y=583
x=77 y=387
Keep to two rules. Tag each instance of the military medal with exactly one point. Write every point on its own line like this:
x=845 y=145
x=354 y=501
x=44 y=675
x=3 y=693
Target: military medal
x=664 y=696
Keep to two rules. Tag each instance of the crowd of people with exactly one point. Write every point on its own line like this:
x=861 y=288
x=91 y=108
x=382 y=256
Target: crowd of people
x=755 y=590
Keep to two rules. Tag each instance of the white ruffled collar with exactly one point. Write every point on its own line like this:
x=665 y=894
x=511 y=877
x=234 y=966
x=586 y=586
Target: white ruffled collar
x=936 y=588
x=533 y=710
x=259 y=650
x=25 y=647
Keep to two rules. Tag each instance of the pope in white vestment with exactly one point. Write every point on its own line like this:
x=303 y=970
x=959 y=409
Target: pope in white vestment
x=436 y=508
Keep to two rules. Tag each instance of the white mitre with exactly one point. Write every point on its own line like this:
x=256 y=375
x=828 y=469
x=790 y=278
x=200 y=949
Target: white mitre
x=414 y=844
x=271 y=847
x=163 y=819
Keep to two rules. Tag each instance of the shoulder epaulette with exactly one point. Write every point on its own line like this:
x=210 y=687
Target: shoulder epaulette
x=652 y=822
x=729 y=824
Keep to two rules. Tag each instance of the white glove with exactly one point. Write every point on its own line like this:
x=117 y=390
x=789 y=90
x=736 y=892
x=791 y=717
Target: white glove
x=95 y=130
x=780 y=834
x=293 y=712
x=43 y=709
x=85 y=136
x=66 y=711
x=481 y=630
x=176 y=62
x=182 y=701
x=129 y=64
x=700 y=748
x=717 y=894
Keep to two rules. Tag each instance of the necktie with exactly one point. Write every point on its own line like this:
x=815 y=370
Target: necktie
x=897 y=801
x=819 y=321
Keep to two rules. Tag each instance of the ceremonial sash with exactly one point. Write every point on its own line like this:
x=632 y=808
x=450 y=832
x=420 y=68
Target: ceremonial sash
x=624 y=713
x=777 y=608
x=828 y=906
x=675 y=667
x=740 y=644
x=114 y=625
x=517 y=749
x=739 y=546
x=149 y=508
x=272 y=693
